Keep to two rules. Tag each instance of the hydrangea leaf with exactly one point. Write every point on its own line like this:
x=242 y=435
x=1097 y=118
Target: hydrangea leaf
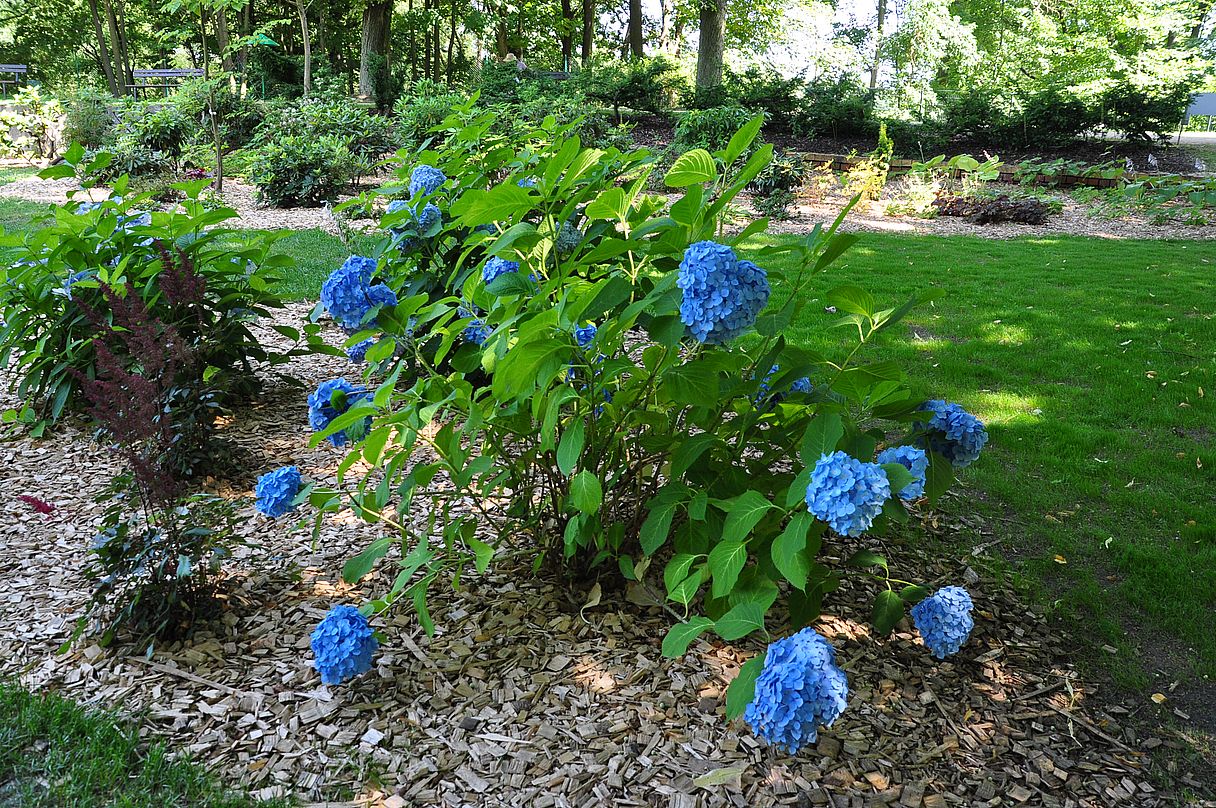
x=586 y=492
x=746 y=510
x=740 y=621
x=690 y=450
x=510 y=283
x=656 y=527
x=690 y=168
x=898 y=475
x=742 y=689
x=691 y=383
x=742 y=139
x=499 y=204
x=788 y=550
x=677 y=569
x=686 y=590
x=938 y=477
x=820 y=438
x=726 y=561
x=360 y=565
x=610 y=204
x=570 y=448
x=681 y=635
x=888 y=610
x=867 y=558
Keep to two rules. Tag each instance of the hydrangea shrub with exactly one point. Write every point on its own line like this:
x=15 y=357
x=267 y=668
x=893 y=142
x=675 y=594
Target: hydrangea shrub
x=632 y=401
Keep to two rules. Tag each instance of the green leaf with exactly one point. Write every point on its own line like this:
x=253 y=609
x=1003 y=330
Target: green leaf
x=820 y=438
x=914 y=594
x=482 y=553
x=726 y=561
x=684 y=591
x=852 y=299
x=690 y=451
x=586 y=492
x=510 y=283
x=570 y=449
x=788 y=550
x=610 y=204
x=938 y=476
x=656 y=527
x=693 y=383
x=742 y=139
x=355 y=568
x=681 y=635
x=867 y=558
x=898 y=476
x=888 y=610
x=742 y=689
x=501 y=203
x=746 y=510
x=740 y=621
x=677 y=569
x=690 y=168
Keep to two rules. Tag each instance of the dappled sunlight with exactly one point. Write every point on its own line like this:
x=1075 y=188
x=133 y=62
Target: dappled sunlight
x=592 y=675
x=1004 y=333
x=1006 y=407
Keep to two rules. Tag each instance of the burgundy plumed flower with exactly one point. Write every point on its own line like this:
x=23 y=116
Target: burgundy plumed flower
x=37 y=504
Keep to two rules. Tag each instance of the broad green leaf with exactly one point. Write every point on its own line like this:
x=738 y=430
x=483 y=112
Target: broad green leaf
x=746 y=510
x=586 y=492
x=656 y=527
x=686 y=590
x=693 y=383
x=570 y=448
x=690 y=168
x=726 y=561
x=888 y=610
x=677 y=569
x=482 y=552
x=681 y=635
x=355 y=568
x=866 y=558
x=742 y=139
x=898 y=476
x=820 y=438
x=852 y=299
x=788 y=550
x=742 y=689
x=740 y=621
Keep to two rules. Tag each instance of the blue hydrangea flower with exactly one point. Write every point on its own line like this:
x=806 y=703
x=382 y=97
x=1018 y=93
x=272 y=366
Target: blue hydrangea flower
x=74 y=278
x=345 y=292
x=428 y=216
x=801 y=385
x=944 y=620
x=762 y=394
x=526 y=182
x=426 y=180
x=584 y=334
x=955 y=434
x=343 y=644
x=365 y=267
x=846 y=493
x=321 y=409
x=800 y=689
x=914 y=460
x=722 y=295
x=380 y=295
x=497 y=267
x=476 y=332
x=276 y=489
x=357 y=353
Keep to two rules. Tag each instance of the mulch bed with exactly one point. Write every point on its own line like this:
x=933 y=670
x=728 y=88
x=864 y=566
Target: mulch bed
x=539 y=693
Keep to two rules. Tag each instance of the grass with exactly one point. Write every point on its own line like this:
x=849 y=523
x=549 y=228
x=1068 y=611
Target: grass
x=317 y=254
x=1093 y=363
x=55 y=753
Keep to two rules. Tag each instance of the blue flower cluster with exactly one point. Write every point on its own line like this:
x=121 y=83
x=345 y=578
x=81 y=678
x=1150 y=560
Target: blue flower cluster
x=497 y=267
x=476 y=332
x=766 y=386
x=526 y=182
x=846 y=493
x=914 y=460
x=800 y=689
x=322 y=411
x=801 y=385
x=422 y=220
x=426 y=180
x=343 y=644
x=722 y=294
x=74 y=278
x=357 y=353
x=584 y=334
x=944 y=620
x=275 y=491
x=960 y=435
x=348 y=293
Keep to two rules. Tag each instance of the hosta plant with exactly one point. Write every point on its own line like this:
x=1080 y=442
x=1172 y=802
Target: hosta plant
x=608 y=388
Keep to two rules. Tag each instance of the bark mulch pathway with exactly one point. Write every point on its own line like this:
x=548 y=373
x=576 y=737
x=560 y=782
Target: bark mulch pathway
x=535 y=693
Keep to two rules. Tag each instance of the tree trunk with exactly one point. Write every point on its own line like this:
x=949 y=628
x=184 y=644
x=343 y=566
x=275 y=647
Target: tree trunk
x=882 y=18
x=436 y=64
x=413 y=43
x=373 y=48
x=303 y=12
x=222 y=40
x=122 y=68
x=635 y=29
x=588 y=29
x=452 y=42
x=711 y=45
x=567 y=34
x=103 y=50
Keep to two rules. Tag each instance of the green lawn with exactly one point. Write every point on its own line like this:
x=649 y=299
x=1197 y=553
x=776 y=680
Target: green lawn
x=54 y=753
x=1093 y=362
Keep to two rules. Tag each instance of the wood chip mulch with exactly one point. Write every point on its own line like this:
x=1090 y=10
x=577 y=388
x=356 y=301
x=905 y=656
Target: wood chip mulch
x=537 y=693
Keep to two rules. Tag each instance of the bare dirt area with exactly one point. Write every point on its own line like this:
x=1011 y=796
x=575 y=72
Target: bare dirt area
x=539 y=692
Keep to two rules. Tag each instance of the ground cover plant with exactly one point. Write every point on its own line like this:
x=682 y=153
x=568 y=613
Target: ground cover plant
x=54 y=753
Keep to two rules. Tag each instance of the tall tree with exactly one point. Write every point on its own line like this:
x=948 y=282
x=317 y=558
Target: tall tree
x=711 y=44
x=882 y=18
x=373 y=47
x=588 y=30
x=635 y=29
